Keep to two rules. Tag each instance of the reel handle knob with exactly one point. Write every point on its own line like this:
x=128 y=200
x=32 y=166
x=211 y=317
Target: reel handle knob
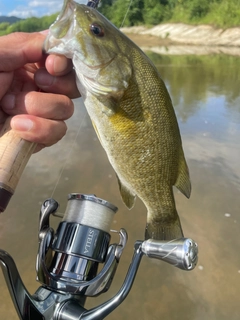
x=182 y=253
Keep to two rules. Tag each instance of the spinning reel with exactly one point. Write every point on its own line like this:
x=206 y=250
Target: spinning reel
x=68 y=261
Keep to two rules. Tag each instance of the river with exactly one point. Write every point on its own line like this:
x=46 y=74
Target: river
x=205 y=95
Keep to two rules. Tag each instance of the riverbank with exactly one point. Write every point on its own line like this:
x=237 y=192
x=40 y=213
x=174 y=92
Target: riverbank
x=186 y=39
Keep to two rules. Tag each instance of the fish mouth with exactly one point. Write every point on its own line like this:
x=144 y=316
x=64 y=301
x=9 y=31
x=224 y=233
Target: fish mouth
x=53 y=45
x=57 y=46
x=54 y=41
x=67 y=5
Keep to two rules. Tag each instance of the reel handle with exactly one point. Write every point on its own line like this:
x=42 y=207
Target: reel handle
x=14 y=155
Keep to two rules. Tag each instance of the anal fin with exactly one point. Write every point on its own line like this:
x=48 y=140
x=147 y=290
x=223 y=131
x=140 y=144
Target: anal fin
x=183 y=182
x=128 y=196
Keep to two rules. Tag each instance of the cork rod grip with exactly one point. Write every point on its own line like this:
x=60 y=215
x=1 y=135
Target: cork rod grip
x=14 y=155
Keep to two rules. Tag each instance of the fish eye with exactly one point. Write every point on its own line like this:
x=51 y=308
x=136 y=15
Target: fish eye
x=97 y=30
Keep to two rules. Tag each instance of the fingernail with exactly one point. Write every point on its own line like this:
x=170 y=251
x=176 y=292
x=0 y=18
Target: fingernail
x=60 y=64
x=43 y=78
x=21 y=124
x=8 y=102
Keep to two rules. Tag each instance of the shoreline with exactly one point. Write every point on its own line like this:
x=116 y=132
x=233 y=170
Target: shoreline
x=176 y=39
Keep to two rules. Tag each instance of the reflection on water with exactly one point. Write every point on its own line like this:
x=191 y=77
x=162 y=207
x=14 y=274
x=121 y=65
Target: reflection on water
x=205 y=93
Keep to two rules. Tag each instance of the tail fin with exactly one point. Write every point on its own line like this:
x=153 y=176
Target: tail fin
x=164 y=229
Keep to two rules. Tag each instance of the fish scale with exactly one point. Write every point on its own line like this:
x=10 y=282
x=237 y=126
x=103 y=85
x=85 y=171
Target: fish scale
x=131 y=112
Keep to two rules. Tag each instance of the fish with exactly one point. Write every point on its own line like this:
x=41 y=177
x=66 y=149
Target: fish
x=131 y=112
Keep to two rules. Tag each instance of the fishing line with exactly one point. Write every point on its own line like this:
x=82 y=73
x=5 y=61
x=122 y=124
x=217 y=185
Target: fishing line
x=126 y=13
x=66 y=161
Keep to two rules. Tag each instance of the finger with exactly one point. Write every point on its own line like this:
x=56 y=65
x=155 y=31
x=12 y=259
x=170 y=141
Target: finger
x=57 y=84
x=5 y=82
x=58 y=65
x=23 y=80
x=27 y=49
x=41 y=131
x=3 y=118
x=44 y=105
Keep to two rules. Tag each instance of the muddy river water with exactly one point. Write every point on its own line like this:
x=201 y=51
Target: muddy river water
x=206 y=96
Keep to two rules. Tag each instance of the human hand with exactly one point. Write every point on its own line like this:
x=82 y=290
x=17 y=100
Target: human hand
x=37 y=116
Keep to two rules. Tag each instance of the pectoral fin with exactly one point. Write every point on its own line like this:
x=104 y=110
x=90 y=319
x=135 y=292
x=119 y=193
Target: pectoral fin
x=127 y=196
x=96 y=130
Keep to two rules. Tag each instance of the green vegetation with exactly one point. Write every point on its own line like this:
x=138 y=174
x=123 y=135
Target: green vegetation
x=220 y=13
x=27 y=25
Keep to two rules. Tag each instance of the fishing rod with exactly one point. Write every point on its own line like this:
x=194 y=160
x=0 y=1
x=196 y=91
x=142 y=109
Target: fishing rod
x=68 y=260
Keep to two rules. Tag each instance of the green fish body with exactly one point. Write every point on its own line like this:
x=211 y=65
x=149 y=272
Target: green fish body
x=131 y=111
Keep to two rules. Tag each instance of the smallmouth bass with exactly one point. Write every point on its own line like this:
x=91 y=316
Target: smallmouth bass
x=131 y=112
